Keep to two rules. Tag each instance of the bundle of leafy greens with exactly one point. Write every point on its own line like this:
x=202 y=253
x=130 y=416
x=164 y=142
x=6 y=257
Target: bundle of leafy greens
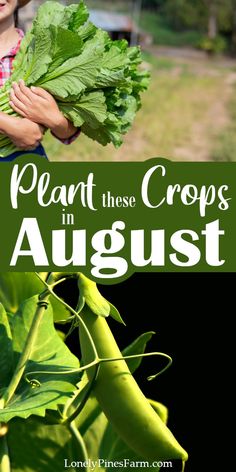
x=95 y=81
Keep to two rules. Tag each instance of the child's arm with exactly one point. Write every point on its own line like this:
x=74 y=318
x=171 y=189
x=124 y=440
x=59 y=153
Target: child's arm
x=39 y=106
x=22 y=132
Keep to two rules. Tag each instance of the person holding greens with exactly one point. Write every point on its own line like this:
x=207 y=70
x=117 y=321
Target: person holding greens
x=37 y=108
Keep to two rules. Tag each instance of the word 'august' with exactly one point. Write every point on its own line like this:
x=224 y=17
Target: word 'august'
x=113 y=260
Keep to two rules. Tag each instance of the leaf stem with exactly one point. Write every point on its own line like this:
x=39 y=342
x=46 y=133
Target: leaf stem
x=77 y=436
x=5 y=465
x=29 y=344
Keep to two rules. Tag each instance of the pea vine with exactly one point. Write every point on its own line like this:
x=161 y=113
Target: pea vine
x=43 y=381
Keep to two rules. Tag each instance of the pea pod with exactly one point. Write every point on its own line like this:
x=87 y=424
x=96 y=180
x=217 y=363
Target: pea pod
x=122 y=400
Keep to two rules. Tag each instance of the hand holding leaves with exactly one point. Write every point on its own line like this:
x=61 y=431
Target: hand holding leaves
x=35 y=104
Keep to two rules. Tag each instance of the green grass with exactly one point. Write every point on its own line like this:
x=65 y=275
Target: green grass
x=160 y=63
x=225 y=147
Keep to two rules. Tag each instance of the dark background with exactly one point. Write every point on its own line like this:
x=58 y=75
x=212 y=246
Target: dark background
x=188 y=312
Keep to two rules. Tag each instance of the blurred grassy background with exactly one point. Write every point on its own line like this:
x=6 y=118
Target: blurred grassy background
x=189 y=111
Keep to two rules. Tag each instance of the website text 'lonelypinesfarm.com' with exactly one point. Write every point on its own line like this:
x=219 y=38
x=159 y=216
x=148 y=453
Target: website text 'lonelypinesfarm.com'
x=103 y=463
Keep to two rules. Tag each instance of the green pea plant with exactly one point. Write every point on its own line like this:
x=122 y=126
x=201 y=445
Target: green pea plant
x=58 y=412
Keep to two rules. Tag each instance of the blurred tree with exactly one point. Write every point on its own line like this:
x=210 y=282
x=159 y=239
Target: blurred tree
x=212 y=7
x=212 y=17
x=233 y=39
x=204 y=15
x=222 y=19
x=219 y=14
x=182 y=14
x=153 y=4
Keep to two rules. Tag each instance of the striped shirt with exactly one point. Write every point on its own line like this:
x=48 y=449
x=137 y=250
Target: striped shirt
x=6 y=66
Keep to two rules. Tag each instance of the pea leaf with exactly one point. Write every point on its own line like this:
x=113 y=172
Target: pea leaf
x=88 y=415
x=15 y=287
x=94 y=435
x=90 y=296
x=49 y=354
x=137 y=347
x=36 y=447
x=160 y=409
x=6 y=358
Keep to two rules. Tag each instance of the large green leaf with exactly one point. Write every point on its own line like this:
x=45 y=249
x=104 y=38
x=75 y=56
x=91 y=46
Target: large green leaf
x=115 y=58
x=48 y=354
x=20 y=63
x=40 y=51
x=15 y=287
x=91 y=107
x=88 y=415
x=6 y=358
x=93 y=436
x=61 y=50
x=101 y=134
x=50 y=13
x=110 y=78
x=37 y=447
x=74 y=75
x=87 y=31
x=78 y=17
